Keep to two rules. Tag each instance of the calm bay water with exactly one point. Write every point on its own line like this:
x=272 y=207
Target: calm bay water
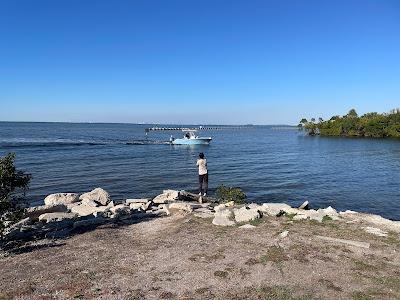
x=270 y=165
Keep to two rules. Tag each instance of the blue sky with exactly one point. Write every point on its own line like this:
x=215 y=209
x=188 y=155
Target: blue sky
x=220 y=62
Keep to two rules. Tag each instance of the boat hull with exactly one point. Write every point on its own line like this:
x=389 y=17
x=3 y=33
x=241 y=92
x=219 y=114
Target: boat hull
x=197 y=141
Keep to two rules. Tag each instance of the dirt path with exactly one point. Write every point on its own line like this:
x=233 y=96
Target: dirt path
x=184 y=257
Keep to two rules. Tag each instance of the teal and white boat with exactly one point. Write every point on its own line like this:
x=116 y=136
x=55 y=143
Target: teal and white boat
x=190 y=138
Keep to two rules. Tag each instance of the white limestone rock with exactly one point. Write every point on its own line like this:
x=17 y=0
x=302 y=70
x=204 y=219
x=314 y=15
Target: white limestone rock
x=89 y=202
x=84 y=210
x=305 y=205
x=284 y=234
x=247 y=226
x=144 y=200
x=61 y=198
x=245 y=214
x=166 y=197
x=35 y=211
x=224 y=217
x=136 y=206
x=376 y=231
x=98 y=195
x=56 y=217
x=181 y=206
x=272 y=209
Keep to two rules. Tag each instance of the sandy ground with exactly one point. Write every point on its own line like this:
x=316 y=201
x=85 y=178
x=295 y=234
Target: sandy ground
x=184 y=257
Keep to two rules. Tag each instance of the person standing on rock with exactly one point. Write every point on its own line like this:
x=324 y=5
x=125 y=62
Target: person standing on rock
x=203 y=175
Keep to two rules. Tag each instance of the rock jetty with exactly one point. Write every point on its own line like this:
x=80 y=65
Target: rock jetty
x=64 y=212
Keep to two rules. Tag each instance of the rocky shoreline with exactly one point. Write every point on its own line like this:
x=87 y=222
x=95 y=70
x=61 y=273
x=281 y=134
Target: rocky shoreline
x=62 y=213
x=178 y=246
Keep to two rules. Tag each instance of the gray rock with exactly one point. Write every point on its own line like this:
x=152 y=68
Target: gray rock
x=136 y=206
x=375 y=231
x=83 y=210
x=71 y=205
x=305 y=205
x=97 y=195
x=224 y=217
x=181 y=206
x=284 y=234
x=273 y=209
x=247 y=226
x=56 y=217
x=35 y=211
x=61 y=198
x=88 y=202
x=245 y=214
x=166 y=197
x=299 y=217
x=119 y=210
x=144 y=200
x=14 y=228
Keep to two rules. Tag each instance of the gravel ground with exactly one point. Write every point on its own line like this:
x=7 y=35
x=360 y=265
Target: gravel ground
x=184 y=257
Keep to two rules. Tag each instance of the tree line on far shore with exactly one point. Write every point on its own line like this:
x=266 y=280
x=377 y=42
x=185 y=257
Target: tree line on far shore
x=368 y=125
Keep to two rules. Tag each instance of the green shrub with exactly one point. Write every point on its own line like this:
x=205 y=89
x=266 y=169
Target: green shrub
x=227 y=194
x=13 y=184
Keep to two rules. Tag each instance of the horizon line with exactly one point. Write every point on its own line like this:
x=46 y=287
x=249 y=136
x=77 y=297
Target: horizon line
x=144 y=123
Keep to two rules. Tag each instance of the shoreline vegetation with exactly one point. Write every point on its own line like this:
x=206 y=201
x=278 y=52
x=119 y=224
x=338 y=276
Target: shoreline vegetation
x=373 y=124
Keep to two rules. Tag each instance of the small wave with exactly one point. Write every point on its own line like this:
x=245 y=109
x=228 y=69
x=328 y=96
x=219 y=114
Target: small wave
x=147 y=142
x=46 y=142
x=54 y=144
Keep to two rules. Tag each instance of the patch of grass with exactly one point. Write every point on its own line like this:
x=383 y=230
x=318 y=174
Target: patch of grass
x=221 y=274
x=256 y=222
x=78 y=296
x=363 y=266
x=274 y=292
x=358 y=295
x=326 y=218
x=290 y=216
x=274 y=254
x=393 y=238
x=391 y=282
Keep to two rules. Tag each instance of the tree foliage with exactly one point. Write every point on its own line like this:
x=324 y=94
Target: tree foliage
x=13 y=184
x=227 y=194
x=368 y=125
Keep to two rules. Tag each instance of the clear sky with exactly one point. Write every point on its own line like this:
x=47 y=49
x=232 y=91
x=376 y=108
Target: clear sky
x=198 y=62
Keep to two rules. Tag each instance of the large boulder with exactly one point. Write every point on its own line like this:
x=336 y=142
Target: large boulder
x=98 y=195
x=273 y=209
x=141 y=200
x=56 y=217
x=246 y=214
x=224 y=217
x=35 y=211
x=61 y=198
x=84 y=210
x=119 y=211
x=181 y=206
x=166 y=197
x=15 y=228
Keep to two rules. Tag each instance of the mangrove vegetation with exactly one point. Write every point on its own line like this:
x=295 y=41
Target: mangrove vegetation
x=368 y=125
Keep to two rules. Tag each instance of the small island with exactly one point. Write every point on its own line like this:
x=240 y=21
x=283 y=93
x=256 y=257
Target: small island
x=370 y=124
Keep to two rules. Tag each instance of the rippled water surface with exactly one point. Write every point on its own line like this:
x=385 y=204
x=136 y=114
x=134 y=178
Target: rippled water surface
x=269 y=164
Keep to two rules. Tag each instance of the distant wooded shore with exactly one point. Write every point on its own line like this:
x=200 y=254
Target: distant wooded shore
x=370 y=124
